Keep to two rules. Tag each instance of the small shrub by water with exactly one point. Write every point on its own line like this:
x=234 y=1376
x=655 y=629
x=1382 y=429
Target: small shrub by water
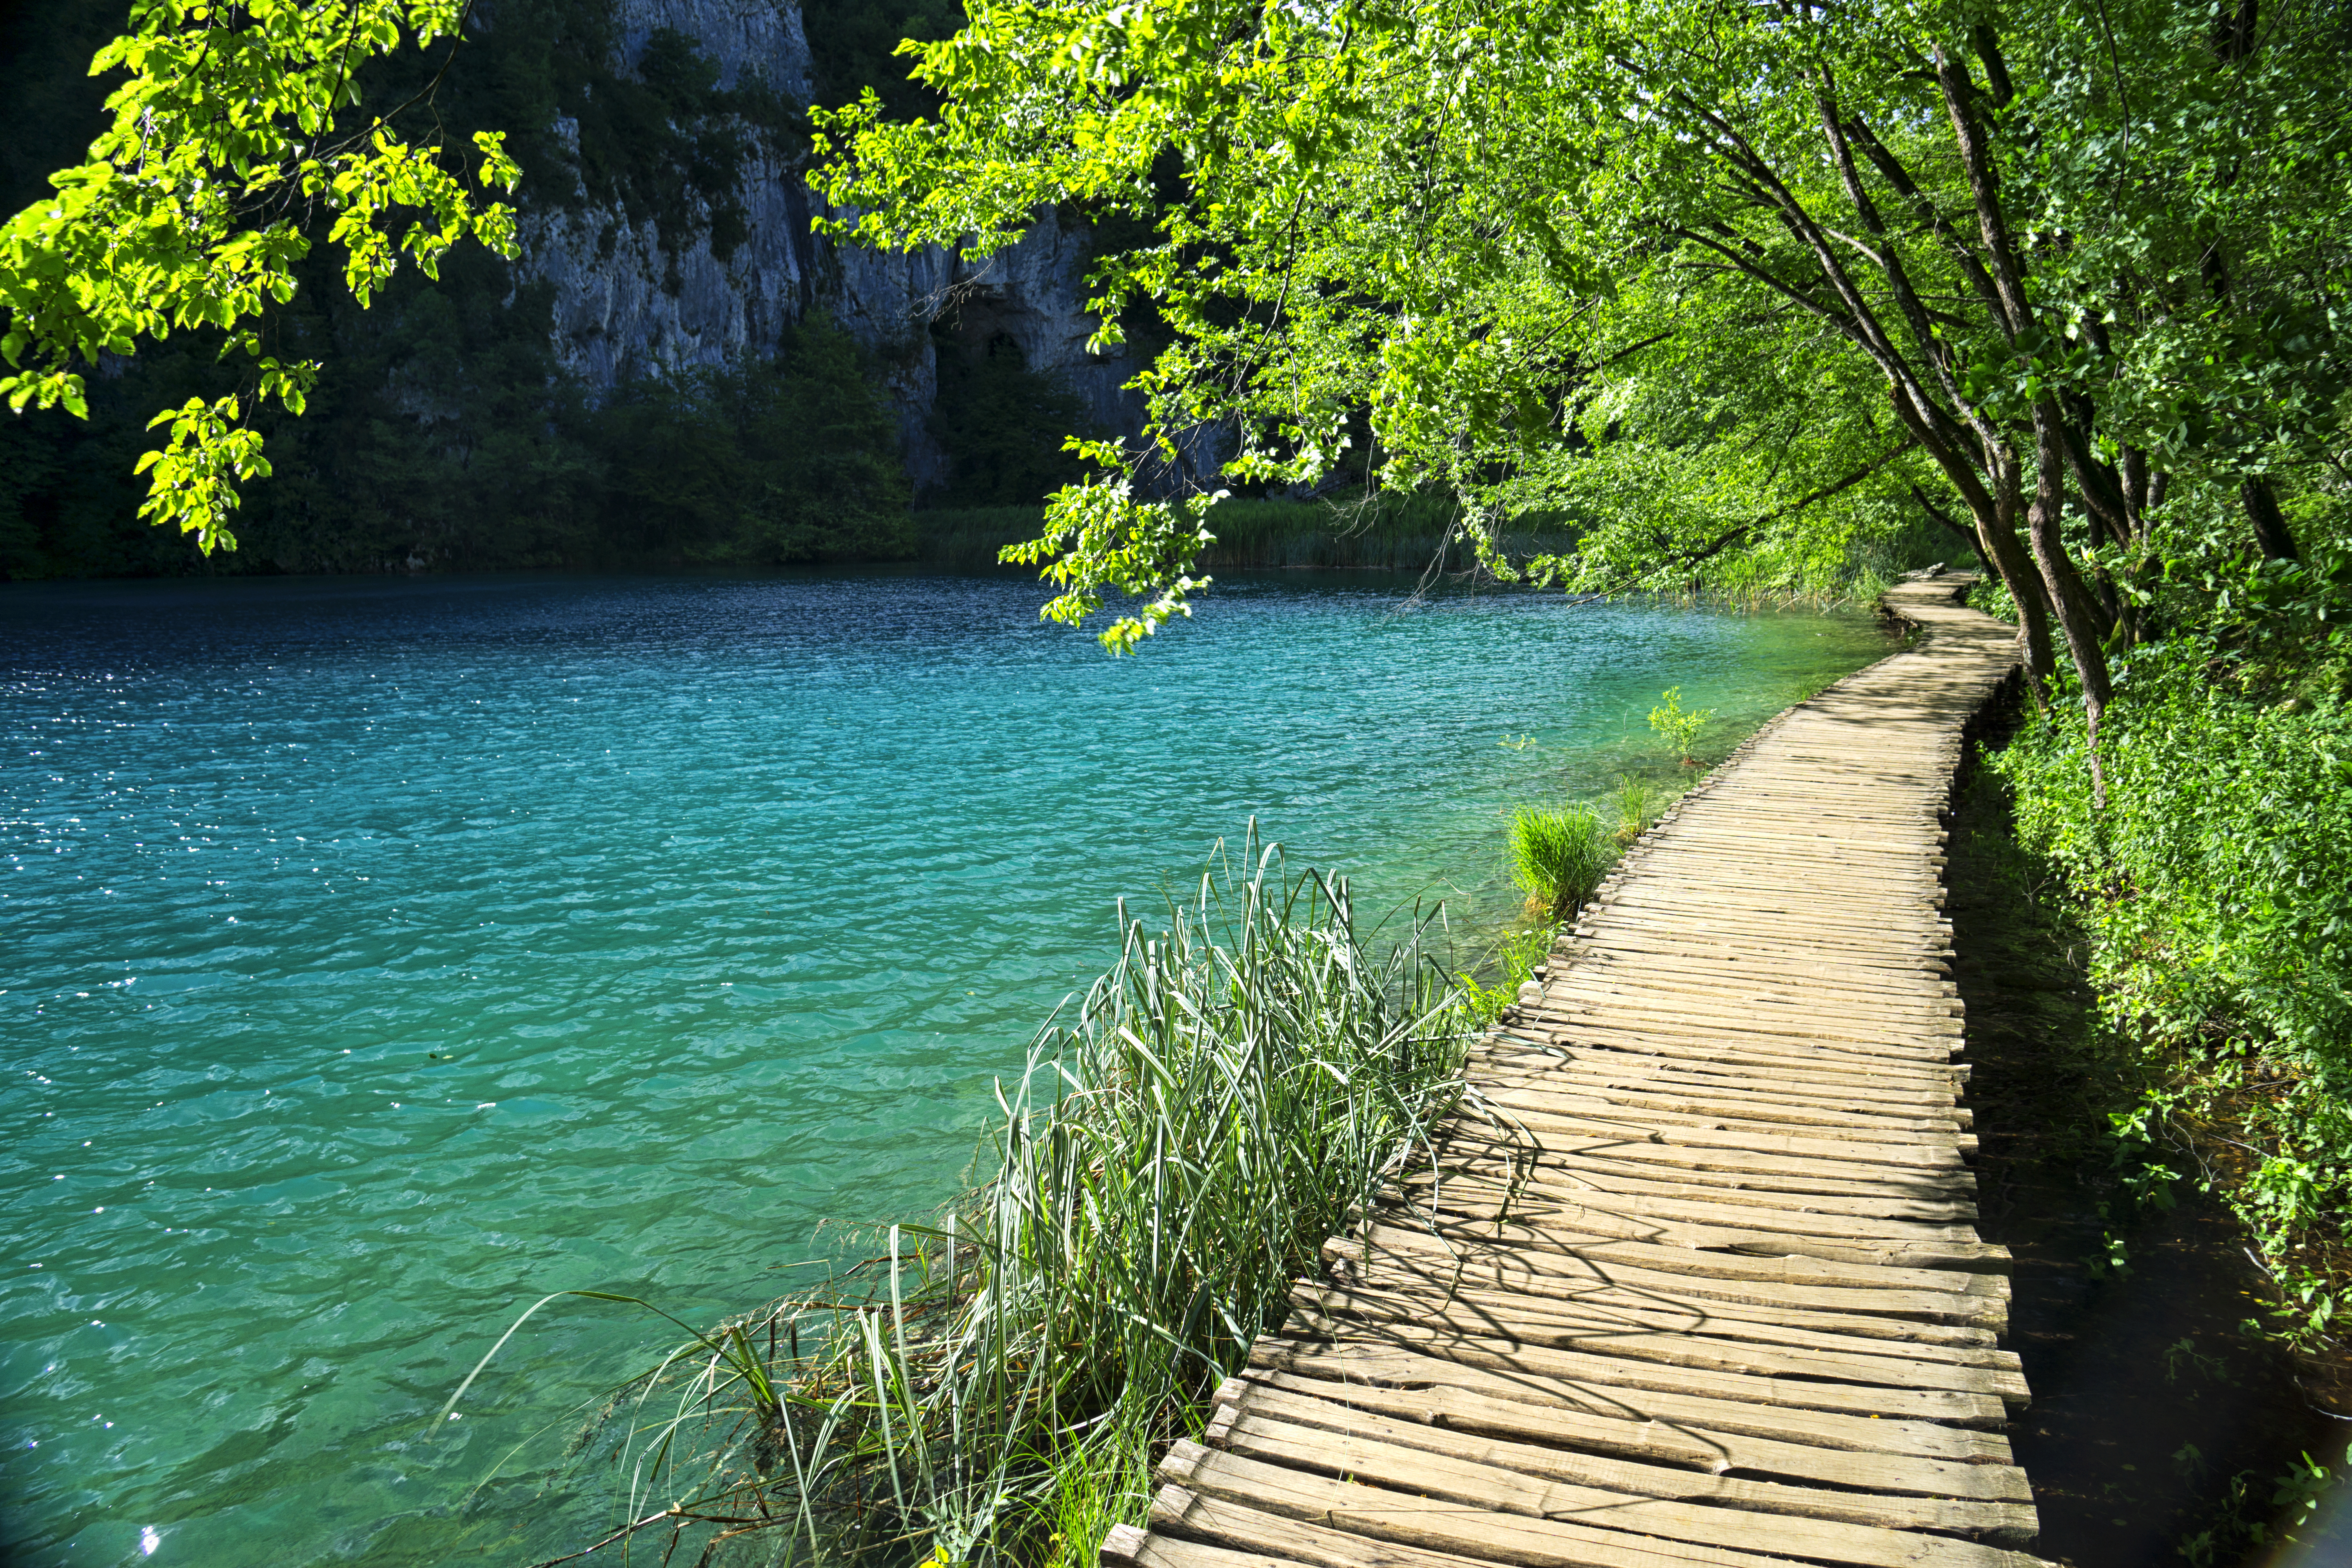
x=1559 y=858
x=1680 y=729
x=990 y=1389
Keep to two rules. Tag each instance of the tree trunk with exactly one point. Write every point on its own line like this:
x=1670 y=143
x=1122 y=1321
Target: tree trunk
x=1998 y=542
x=2077 y=611
x=2271 y=531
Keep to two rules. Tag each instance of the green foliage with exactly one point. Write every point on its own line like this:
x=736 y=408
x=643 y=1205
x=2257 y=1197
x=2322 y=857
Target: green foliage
x=2258 y=1512
x=1679 y=728
x=2215 y=880
x=1559 y=858
x=2222 y=866
x=232 y=127
x=854 y=44
x=759 y=465
x=1002 y=426
x=1745 y=295
x=1512 y=965
x=441 y=437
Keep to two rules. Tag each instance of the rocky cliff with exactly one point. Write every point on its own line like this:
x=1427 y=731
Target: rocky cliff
x=631 y=297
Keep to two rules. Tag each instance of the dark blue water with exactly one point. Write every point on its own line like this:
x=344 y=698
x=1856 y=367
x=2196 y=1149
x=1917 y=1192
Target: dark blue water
x=380 y=955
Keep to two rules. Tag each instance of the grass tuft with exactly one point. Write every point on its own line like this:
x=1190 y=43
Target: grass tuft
x=1559 y=858
x=1637 y=800
x=991 y=1389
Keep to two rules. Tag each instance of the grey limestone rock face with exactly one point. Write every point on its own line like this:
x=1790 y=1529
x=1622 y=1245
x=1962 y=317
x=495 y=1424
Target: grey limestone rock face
x=632 y=301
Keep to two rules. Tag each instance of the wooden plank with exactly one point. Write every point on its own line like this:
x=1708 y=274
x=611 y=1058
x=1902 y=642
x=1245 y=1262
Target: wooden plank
x=1128 y=1547
x=1638 y=943
x=1789 y=1194
x=1721 y=1052
x=1726 y=987
x=1491 y=1317
x=1614 y=1307
x=1684 y=1445
x=1395 y=1366
x=1698 y=1133
x=1948 y=1406
x=1739 y=998
x=1548 y=1185
x=1611 y=1094
x=1435 y=1524
x=1943 y=1302
x=1927 y=1059
x=1454 y=1507
x=1593 y=1064
x=1870 y=1136
x=1602 y=1229
x=1670 y=1154
x=1524 y=1479
x=1181 y=1515
x=1780 y=962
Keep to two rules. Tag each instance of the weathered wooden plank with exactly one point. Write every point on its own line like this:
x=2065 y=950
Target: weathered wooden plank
x=1488 y=1317
x=1598 y=1225
x=1540 y=1251
x=1549 y=1184
x=1781 y=964
x=1866 y=1062
x=1792 y=1195
x=1683 y=1445
x=1945 y=1301
x=1949 y=1406
x=1720 y=1052
x=1851 y=1117
x=1740 y=999
x=1440 y=1524
x=1395 y=1366
x=1524 y=1479
x=1690 y=999
x=1593 y=1064
x=1453 y=1506
x=1620 y=1310
x=1698 y=1133
x=1871 y=1139
x=1684 y=1160
x=1127 y=1547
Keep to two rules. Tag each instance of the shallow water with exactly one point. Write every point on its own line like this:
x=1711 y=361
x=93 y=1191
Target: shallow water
x=380 y=955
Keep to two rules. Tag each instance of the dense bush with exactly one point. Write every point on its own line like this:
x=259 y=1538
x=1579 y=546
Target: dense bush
x=2219 y=872
x=2216 y=883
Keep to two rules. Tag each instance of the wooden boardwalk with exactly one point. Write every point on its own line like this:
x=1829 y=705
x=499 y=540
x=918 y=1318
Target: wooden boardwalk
x=1693 y=1279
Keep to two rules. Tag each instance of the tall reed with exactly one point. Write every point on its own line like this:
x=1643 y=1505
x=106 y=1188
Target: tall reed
x=1171 y=1158
x=1559 y=858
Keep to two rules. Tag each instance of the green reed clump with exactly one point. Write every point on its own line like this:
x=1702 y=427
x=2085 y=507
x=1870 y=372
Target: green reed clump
x=1637 y=800
x=1559 y=858
x=1171 y=1158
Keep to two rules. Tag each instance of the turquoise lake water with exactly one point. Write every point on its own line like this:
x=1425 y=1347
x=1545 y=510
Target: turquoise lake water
x=380 y=955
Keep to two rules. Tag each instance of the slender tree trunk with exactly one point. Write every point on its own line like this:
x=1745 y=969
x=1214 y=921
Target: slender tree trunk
x=2077 y=611
x=1997 y=541
x=2271 y=531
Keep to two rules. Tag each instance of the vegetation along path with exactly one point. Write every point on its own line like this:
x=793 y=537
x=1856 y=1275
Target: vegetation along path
x=1693 y=1277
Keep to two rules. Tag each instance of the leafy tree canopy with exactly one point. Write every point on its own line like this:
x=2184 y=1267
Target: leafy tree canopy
x=235 y=128
x=1712 y=276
